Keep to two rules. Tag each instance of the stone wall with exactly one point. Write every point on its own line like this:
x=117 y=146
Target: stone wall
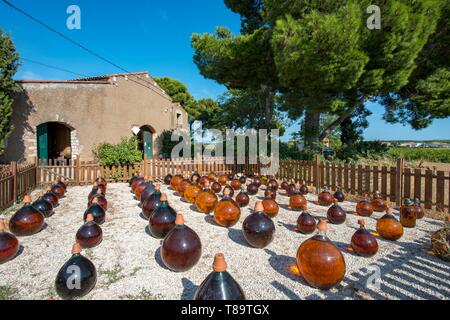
x=95 y=112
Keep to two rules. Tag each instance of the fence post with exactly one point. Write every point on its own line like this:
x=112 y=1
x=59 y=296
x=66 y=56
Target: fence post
x=399 y=181
x=14 y=172
x=77 y=170
x=145 y=166
x=36 y=174
x=316 y=172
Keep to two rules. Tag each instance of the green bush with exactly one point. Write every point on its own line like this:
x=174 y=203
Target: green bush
x=424 y=154
x=123 y=153
x=166 y=144
x=362 y=149
x=289 y=150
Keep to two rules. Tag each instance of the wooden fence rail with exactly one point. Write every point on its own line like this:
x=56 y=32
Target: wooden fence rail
x=395 y=183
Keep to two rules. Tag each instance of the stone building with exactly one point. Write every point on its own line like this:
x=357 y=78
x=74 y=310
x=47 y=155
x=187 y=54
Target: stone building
x=66 y=119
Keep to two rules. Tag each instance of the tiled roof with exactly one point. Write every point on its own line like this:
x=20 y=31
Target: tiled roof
x=108 y=76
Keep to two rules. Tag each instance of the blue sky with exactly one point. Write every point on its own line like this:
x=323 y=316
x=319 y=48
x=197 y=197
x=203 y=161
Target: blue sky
x=144 y=35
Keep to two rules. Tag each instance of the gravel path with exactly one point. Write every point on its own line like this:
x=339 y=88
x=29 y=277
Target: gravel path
x=129 y=264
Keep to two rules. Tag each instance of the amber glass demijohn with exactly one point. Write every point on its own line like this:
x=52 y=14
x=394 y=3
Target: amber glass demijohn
x=227 y=212
x=273 y=184
x=335 y=214
x=191 y=192
x=271 y=207
x=270 y=193
x=90 y=234
x=195 y=177
x=258 y=228
x=242 y=179
x=51 y=197
x=133 y=177
x=176 y=181
x=290 y=189
x=101 y=200
x=408 y=214
x=257 y=181
x=181 y=248
x=167 y=179
x=388 y=227
x=58 y=190
x=325 y=198
x=77 y=277
x=304 y=188
x=212 y=177
x=319 y=261
x=43 y=206
x=59 y=181
x=182 y=186
x=9 y=245
x=223 y=179
x=363 y=242
x=97 y=212
x=230 y=189
x=216 y=187
x=306 y=223
x=140 y=188
x=219 y=285
x=162 y=220
x=136 y=182
x=378 y=203
x=242 y=198
x=297 y=201
x=235 y=184
x=252 y=189
x=339 y=195
x=364 y=207
x=420 y=213
x=206 y=200
x=203 y=180
x=152 y=202
x=27 y=221
x=147 y=192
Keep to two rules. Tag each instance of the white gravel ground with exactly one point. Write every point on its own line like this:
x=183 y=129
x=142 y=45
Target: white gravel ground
x=129 y=265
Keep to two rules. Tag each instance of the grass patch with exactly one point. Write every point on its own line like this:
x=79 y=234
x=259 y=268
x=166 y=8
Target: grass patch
x=89 y=254
x=135 y=270
x=144 y=294
x=112 y=275
x=8 y=293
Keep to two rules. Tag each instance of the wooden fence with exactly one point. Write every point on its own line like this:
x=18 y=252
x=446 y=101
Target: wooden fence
x=431 y=187
x=395 y=183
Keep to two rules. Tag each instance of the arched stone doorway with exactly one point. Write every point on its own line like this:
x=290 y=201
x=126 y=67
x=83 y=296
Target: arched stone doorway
x=54 y=141
x=145 y=141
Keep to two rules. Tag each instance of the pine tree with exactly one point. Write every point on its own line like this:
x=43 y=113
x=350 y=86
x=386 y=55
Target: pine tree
x=9 y=62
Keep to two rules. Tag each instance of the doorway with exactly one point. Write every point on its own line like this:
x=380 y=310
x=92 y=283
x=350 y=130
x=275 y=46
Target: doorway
x=54 y=142
x=145 y=137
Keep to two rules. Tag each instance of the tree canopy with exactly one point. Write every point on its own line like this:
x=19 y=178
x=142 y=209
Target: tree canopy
x=9 y=62
x=317 y=57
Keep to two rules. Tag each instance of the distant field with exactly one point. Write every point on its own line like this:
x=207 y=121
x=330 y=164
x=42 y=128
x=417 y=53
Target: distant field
x=425 y=154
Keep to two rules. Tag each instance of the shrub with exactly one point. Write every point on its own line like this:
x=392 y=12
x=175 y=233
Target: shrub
x=125 y=152
x=362 y=149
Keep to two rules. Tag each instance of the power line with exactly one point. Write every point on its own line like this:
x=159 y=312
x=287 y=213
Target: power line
x=53 y=67
x=83 y=47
